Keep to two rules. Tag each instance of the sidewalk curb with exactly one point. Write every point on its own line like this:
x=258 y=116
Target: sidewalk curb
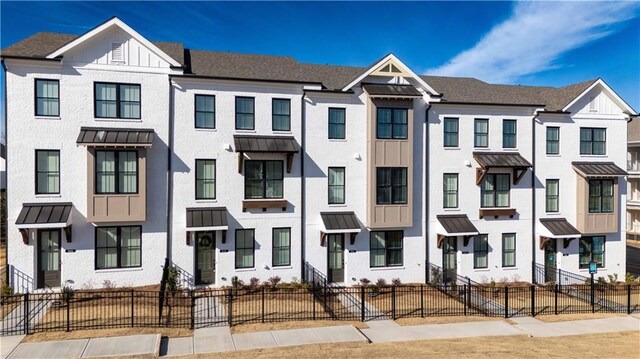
x=156 y=351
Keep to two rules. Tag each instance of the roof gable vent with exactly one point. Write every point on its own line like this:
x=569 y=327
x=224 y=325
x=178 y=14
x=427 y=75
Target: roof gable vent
x=117 y=52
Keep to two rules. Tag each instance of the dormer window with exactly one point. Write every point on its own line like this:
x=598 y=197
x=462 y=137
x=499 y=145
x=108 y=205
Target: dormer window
x=117 y=52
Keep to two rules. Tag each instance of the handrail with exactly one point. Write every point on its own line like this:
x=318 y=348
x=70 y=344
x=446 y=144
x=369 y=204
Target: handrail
x=437 y=276
x=562 y=277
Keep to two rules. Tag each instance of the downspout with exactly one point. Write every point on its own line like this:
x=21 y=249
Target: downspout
x=426 y=194
x=169 y=173
x=5 y=223
x=533 y=198
x=302 y=186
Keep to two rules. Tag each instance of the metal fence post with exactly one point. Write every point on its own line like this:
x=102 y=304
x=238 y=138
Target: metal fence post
x=230 y=309
x=506 y=302
x=533 y=300
x=313 y=298
x=362 y=304
x=422 y=300
x=465 y=288
x=324 y=296
x=26 y=313
x=132 y=306
x=628 y=298
x=556 y=299
x=393 y=302
x=68 y=311
x=593 y=303
x=263 y=304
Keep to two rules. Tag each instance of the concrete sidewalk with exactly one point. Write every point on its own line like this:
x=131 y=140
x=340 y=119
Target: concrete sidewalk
x=220 y=339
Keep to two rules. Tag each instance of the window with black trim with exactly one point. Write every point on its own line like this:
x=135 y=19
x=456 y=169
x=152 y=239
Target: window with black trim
x=116 y=100
x=392 y=123
x=47 y=98
x=116 y=172
x=337 y=121
x=205 y=111
x=281 y=114
x=205 y=179
x=509 y=134
x=118 y=247
x=593 y=141
x=591 y=249
x=336 y=182
x=481 y=251
x=391 y=185
x=245 y=248
x=385 y=249
x=553 y=140
x=552 y=193
x=508 y=249
x=263 y=179
x=245 y=113
x=481 y=133
x=451 y=132
x=281 y=247
x=495 y=190
x=47 y=171
x=601 y=196
x=450 y=190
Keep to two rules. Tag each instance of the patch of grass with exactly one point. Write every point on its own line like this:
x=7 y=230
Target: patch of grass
x=444 y=320
x=260 y=327
x=581 y=316
x=104 y=333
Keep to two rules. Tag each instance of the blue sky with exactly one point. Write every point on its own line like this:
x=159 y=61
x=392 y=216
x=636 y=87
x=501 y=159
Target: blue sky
x=537 y=43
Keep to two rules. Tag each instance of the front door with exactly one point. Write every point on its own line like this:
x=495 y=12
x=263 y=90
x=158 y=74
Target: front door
x=449 y=263
x=336 y=257
x=48 y=258
x=205 y=258
x=550 y=268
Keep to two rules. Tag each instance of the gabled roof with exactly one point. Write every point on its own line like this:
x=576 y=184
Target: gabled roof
x=599 y=82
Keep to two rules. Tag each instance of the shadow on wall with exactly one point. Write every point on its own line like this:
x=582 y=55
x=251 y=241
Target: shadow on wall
x=20 y=281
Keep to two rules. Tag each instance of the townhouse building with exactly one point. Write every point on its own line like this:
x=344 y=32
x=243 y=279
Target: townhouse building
x=122 y=152
x=633 y=191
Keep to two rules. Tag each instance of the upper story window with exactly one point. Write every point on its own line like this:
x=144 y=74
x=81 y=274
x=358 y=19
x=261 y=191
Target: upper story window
x=205 y=111
x=47 y=171
x=481 y=133
x=391 y=185
x=337 y=120
x=450 y=132
x=205 y=179
x=494 y=190
x=450 y=190
x=263 y=179
x=386 y=249
x=116 y=172
x=552 y=189
x=117 y=52
x=392 y=123
x=113 y=100
x=47 y=98
x=509 y=134
x=336 y=185
x=281 y=114
x=245 y=113
x=593 y=141
x=600 y=196
x=553 y=140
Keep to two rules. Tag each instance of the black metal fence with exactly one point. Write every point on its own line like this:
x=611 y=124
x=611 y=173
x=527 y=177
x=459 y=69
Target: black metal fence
x=315 y=300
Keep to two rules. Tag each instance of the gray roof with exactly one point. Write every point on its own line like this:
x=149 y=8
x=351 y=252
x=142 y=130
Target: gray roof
x=240 y=66
x=340 y=220
x=206 y=217
x=255 y=143
x=391 y=90
x=44 y=213
x=559 y=227
x=456 y=223
x=115 y=136
x=501 y=159
x=598 y=169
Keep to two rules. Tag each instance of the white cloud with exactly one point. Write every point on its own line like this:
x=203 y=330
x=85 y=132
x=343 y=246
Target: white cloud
x=535 y=36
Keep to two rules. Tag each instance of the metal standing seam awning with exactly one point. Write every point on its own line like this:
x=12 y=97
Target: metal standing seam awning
x=339 y=222
x=44 y=215
x=391 y=91
x=265 y=144
x=488 y=160
x=115 y=137
x=455 y=225
x=207 y=219
x=598 y=169
x=558 y=228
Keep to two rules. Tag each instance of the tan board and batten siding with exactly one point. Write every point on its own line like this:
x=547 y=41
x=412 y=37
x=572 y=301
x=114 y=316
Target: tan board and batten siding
x=633 y=131
x=388 y=153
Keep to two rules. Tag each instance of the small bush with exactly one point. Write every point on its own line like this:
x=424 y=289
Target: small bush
x=273 y=281
x=107 y=284
x=629 y=278
x=436 y=276
x=7 y=290
x=396 y=281
x=381 y=282
x=173 y=279
x=613 y=278
x=504 y=281
x=601 y=281
x=254 y=283
x=67 y=292
x=364 y=282
x=515 y=278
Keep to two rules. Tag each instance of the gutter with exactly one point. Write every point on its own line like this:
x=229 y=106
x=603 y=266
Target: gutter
x=426 y=194
x=533 y=197
x=169 y=174
x=6 y=171
x=193 y=76
x=302 y=186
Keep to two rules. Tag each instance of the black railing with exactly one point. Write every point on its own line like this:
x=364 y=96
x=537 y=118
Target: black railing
x=554 y=275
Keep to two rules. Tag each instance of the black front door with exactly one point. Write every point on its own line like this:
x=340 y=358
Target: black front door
x=550 y=268
x=205 y=258
x=48 y=258
x=449 y=263
x=336 y=257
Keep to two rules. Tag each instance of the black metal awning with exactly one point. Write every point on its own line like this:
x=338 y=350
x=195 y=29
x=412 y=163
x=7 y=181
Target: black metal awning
x=339 y=222
x=115 y=137
x=44 y=215
x=455 y=225
x=200 y=219
x=598 y=169
x=391 y=91
x=265 y=144
x=513 y=160
x=558 y=228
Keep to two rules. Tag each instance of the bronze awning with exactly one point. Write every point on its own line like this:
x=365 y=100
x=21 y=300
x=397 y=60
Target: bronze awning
x=207 y=219
x=488 y=160
x=44 y=215
x=455 y=225
x=266 y=144
x=558 y=228
x=598 y=169
x=115 y=137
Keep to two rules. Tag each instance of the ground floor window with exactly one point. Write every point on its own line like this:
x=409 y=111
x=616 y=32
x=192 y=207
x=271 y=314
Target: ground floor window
x=118 y=247
x=592 y=249
x=508 y=249
x=245 y=248
x=481 y=251
x=386 y=249
x=281 y=247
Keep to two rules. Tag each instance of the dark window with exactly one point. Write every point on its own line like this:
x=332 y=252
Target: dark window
x=508 y=249
x=591 y=249
x=245 y=113
x=481 y=251
x=336 y=182
x=118 y=247
x=391 y=185
x=47 y=171
x=116 y=172
x=205 y=111
x=205 y=179
x=593 y=141
x=600 y=196
x=117 y=100
x=281 y=114
x=481 y=133
x=281 y=247
x=494 y=190
x=245 y=248
x=509 y=134
x=386 y=249
x=392 y=123
x=263 y=179
x=552 y=188
x=337 y=120
x=450 y=190
x=450 y=132
x=47 y=98
x=553 y=140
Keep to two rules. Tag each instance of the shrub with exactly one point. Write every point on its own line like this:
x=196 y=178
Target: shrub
x=613 y=278
x=365 y=282
x=601 y=280
x=381 y=282
x=254 y=283
x=436 y=276
x=173 y=279
x=107 y=284
x=396 y=281
x=629 y=278
x=67 y=292
x=515 y=278
x=7 y=290
x=273 y=281
x=504 y=281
